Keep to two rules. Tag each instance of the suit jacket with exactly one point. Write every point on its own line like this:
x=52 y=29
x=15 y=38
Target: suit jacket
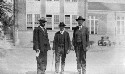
x=67 y=42
x=85 y=36
x=40 y=39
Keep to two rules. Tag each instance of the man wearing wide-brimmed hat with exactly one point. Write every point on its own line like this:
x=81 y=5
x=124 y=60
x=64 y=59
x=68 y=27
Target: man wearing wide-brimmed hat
x=61 y=46
x=80 y=42
x=41 y=45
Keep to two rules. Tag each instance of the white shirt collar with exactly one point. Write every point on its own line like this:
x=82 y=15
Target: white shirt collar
x=62 y=32
x=42 y=28
x=80 y=27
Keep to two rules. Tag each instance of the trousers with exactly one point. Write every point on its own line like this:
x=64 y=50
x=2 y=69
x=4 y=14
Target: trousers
x=60 y=53
x=41 y=62
x=81 y=58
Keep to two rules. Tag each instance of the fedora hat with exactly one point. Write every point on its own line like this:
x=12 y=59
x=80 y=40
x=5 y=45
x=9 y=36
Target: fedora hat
x=80 y=18
x=42 y=19
x=62 y=24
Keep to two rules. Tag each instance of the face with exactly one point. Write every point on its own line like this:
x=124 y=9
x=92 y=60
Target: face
x=80 y=22
x=61 y=28
x=42 y=24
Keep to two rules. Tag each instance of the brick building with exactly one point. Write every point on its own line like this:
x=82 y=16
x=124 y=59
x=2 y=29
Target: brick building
x=103 y=17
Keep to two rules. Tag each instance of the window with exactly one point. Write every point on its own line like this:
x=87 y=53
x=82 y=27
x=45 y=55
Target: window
x=29 y=18
x=49 y=0
x=56 y=19
x=67 y=19
x=74 y=17
x=37 y=17
x=93 y=24
x=74 y=0
x=49 y=20
x=120 y=25
x=67 y=0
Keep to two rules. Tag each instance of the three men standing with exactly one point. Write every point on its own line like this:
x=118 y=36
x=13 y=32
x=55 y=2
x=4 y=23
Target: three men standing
x=80 y=42
x=61 y=46
x=41 y=46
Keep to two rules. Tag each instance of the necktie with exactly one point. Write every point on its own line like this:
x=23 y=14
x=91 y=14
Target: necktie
x=79 y=27
x=61 y=32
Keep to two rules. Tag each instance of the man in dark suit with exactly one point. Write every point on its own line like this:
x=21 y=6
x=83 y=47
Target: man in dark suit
x=61 y=46
x=41 y=45
x=80 y=42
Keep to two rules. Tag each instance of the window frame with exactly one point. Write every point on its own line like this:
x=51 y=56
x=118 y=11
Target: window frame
x=29 y=21
x=37 y=17
x=121 y=27
x=56 y=20
x=67 y=20
x=95 y=26
x=74 y=0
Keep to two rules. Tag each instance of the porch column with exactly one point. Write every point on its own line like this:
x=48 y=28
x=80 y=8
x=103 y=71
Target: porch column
x=61 y=10
x=43 y=8
x=82 y=9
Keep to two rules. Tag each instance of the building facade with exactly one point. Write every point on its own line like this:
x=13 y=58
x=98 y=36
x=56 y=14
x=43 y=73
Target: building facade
x=55 y=11
x=103 y=17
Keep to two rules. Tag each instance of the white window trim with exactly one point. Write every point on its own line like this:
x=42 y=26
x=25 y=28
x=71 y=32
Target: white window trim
x=90 y=23
x=120 y=20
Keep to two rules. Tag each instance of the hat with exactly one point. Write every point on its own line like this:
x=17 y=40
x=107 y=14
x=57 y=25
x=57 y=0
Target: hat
x=80 y=18
x=42 y=19
x=62 y=24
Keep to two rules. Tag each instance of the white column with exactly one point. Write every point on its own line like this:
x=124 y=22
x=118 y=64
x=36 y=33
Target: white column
x=43 y=8
x=62 y=16
x=26 y=14
x=82 y=8
x=97 y=27
x=52 y=22
x=120 y=26
x=90 y=23
x=94 y=23
x=26 y=21
x=70 y=22
x=124 y=25
x=33 y=20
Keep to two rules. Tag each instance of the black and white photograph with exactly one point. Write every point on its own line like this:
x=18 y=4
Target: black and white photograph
x=62 y=36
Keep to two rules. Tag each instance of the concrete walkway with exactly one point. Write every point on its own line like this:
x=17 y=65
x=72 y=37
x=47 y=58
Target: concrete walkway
x=100 y=60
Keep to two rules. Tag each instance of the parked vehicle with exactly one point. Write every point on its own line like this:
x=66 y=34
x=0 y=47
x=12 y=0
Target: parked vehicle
x=104 y=41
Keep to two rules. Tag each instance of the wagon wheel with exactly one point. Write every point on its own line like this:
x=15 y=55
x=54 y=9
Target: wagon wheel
x=99 y=42
x=104 y=44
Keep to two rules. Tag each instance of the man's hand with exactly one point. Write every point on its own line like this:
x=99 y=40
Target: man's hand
x=68 y=52
x=53 y=51
x=87 y=48
x=37 y=50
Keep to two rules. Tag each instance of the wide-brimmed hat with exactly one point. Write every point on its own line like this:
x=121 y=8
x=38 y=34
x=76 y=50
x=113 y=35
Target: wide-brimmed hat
x=80 y=18
x=42 y=19
x=62 y=24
